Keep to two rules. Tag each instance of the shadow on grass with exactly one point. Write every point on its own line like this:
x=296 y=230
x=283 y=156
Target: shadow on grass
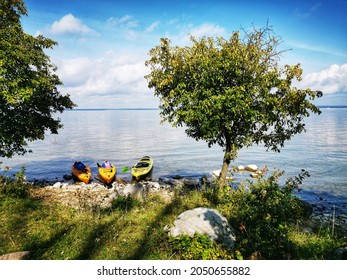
x=94 y=242
x=39 y=249
x=19 y=218
x=153 y=239
x=84 y=238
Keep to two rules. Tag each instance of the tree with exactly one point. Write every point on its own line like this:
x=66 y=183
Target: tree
x=230 y=92
x=28 y=84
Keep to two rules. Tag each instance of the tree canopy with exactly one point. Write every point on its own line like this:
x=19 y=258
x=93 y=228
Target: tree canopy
x=230 y=92
x=28 y=84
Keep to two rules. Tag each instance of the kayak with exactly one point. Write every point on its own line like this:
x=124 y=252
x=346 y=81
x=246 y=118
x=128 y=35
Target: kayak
x=107 y=172
x=81 y=172
x=142 y=168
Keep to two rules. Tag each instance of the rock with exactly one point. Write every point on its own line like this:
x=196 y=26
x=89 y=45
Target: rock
x=170 y=181
x=254 y=175
x=67 y=177
x=251 y=168
x=204 y=221
x=65 y=185
x=57 y=185
x=240 y=168
x=15 y=256
x=178 y=184
x=136 y=191
x=215 y=173
x=155 y=186
x=257 y=174
x=191 y=183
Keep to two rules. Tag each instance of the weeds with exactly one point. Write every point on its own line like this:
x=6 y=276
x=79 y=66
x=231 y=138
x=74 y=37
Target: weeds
x=263 y=213
x=17 y=187
x=198 y=247
x=124 y=203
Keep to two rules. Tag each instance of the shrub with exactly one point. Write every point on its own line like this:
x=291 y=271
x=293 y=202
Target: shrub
x=264 y=212
x=17 y=188
x=198 y=247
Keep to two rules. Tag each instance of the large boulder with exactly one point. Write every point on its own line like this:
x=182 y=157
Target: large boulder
x=22 y=255
x=204 y=221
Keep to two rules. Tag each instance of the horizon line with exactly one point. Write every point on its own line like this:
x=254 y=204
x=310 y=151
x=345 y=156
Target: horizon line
x=105 y=109
x=153 y=108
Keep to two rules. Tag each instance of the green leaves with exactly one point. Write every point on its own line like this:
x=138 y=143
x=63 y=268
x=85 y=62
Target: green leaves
x=265 y=211
x=230 y=92
x=198 y=247
x=28 y=84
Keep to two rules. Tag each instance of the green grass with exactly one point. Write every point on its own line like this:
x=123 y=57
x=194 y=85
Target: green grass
x=54 y=231
x=316 y=246
x=132 y=229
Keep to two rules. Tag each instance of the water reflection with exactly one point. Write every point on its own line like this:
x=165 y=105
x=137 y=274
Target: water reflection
x=123 y=136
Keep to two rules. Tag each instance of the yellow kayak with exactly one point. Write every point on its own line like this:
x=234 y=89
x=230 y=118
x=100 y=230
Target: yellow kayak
x=142 y=168
x=81 y=172
x=107 y=173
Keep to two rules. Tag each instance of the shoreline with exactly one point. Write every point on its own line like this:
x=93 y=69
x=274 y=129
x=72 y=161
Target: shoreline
x=98 y=195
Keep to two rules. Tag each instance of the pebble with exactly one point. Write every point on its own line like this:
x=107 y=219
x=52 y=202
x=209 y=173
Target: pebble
x=251 y=168
x=57 y=185
x=240 y=168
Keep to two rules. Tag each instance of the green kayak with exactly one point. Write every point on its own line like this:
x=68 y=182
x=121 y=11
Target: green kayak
x=142 y=168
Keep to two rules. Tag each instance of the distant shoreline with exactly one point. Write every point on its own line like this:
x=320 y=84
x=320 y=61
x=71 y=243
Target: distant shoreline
x=332 y=107
x=155 y=109
x=114 y=109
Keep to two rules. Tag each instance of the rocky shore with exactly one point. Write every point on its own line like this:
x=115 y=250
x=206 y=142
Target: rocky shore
x=96 y=195
x=79 y=195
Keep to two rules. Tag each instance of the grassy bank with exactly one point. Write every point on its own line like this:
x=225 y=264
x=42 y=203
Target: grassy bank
x=131 y=229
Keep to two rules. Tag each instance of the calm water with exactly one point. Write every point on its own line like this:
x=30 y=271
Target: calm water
x=123 y=136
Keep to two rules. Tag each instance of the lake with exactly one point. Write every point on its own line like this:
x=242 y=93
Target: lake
x=123 y=136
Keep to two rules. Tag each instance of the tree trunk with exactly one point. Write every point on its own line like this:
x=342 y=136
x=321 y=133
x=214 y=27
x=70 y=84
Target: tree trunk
x=226 y=162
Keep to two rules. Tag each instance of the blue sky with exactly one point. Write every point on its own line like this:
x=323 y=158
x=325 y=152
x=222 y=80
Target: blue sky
x=102 y=45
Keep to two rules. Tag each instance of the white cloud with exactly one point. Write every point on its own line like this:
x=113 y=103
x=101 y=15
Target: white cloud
x=68 y=24
x=330 y=80
x=125 y=22
x=207 y=29
x=75 y=71
x=125 y=26
x=115 y=75
x=152 y=27
x=308 y=12
x=317 y=48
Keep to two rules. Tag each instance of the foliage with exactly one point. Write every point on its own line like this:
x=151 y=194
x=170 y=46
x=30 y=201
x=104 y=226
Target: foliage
x=230 y=92
x=28 y=84
x=316 y=246
x=198 y=247
x=55 y=232
x=265 y=212
x=17 y=188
